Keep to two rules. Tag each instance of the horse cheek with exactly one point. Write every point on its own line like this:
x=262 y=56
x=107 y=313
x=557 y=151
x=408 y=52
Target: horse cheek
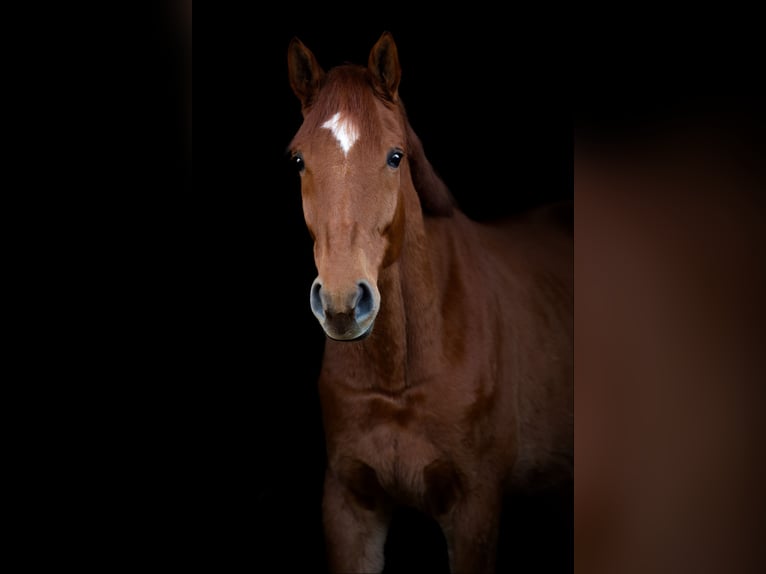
x=394 y=233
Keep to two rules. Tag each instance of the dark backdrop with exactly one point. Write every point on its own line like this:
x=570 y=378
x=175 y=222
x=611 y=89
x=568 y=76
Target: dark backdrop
x=202 y=308
x=491 y=115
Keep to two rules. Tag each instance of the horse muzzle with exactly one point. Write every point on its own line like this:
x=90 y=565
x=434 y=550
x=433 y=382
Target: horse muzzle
x=345 y=314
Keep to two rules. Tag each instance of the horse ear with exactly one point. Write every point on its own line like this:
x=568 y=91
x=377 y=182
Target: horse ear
x=384 y=66
x=304 y=70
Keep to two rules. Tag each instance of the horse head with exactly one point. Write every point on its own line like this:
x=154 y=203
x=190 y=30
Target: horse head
x=353 y=151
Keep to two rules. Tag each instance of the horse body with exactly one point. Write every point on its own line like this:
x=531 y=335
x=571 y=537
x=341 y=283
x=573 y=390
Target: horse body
x=447 y=371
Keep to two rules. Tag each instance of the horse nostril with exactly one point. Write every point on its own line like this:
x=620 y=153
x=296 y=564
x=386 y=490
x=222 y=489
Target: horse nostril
x=316 y=299
x=365 y=303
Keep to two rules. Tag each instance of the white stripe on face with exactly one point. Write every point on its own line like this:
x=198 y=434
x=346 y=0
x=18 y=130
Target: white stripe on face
x=344 y=131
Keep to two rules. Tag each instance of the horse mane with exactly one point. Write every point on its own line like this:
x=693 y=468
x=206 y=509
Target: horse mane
x=340 y=91
x=435 y=197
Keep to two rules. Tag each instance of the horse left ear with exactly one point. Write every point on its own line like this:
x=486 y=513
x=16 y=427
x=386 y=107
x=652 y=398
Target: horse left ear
x=384 y=66
x=305 y=72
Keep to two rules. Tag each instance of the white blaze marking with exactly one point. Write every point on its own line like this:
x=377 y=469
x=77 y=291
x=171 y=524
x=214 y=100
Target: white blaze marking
x=344 y=131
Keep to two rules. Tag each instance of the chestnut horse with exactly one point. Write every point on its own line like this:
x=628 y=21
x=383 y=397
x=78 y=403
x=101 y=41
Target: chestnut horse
x=447 y=374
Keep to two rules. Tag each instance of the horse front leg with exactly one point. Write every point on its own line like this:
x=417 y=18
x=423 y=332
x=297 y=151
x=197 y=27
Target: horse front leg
x=471 y=531
x=355 y=524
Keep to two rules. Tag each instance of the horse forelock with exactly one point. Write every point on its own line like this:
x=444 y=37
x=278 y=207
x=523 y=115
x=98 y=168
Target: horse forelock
x=344 y=106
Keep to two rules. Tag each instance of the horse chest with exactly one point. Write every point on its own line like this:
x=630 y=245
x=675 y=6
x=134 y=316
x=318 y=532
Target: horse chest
x=383 y=450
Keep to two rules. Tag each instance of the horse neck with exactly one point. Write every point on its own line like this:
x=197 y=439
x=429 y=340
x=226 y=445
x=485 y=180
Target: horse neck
x=403 y=347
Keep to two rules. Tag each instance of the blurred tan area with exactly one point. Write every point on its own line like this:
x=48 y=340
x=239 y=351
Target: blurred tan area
x=670 y=272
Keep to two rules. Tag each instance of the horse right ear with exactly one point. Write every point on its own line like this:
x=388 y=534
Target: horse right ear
x=305 y=72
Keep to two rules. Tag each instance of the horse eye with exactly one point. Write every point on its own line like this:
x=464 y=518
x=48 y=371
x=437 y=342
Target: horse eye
x=298 y=162
x=394 y=158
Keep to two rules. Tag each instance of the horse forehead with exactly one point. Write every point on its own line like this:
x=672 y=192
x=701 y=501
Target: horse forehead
x=345 y=129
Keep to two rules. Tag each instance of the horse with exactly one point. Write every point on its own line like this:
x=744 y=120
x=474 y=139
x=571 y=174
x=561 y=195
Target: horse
x=446 y=378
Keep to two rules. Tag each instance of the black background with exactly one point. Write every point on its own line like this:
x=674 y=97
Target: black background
x=492 y=116
x=191 y=293
x=495 y=126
